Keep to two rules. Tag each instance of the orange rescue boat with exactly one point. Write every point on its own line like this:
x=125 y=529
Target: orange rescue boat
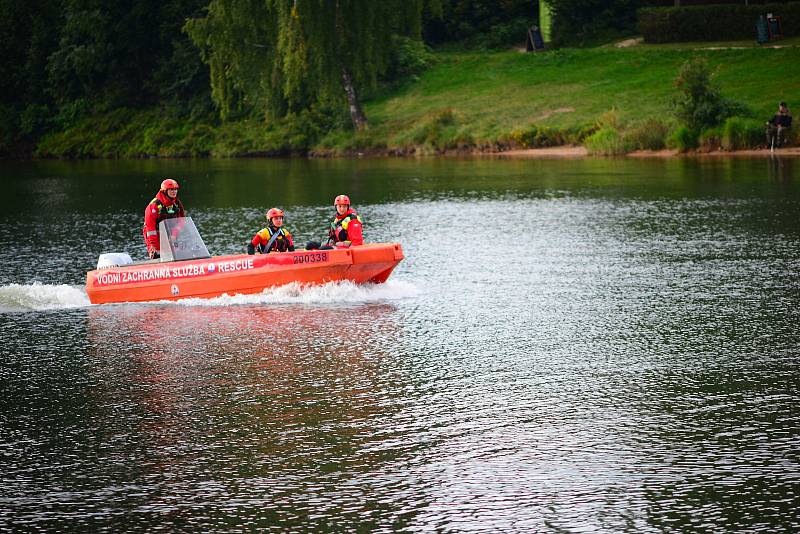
x=185 y=269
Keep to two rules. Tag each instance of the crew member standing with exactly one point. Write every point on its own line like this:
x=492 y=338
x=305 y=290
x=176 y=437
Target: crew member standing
x=165 y=206
x=273 y=238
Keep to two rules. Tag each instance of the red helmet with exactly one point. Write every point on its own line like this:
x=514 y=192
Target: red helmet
x=274 y=212
x=169 y=183
x=341 y=199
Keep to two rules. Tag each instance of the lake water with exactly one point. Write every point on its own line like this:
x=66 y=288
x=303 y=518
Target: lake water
x=593 y=345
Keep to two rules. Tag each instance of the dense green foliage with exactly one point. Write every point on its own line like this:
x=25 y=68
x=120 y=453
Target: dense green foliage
x=713 y=22
x=479 y=24
x=582 y=22
x=699 y=103
x=683 y=139
x=606 y=142
x=651 y=134
x=738 y=133
x=107 y=78
x=285 y=56
x=65 y=59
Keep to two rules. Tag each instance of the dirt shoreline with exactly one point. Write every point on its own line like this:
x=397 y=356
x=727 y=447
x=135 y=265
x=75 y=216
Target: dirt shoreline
x=581 y=152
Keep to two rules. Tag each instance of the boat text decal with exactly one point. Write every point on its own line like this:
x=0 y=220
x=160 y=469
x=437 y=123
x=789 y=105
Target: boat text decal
x=163 y=273
x=311 y=258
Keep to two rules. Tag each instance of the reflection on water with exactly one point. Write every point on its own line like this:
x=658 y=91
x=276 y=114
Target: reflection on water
x=244 y=404
x=605 y=346
x=266 y=376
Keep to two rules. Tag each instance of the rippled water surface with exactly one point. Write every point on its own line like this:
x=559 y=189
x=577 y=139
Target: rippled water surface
x=569 y=346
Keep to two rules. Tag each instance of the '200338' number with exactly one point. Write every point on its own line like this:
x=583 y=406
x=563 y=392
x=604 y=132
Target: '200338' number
x=311 y=258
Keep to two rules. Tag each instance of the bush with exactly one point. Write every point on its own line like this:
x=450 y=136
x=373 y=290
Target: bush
x=579 y=134
x=198 y=141
x=610 y=119
x=699 y=103
x=711 y=139
x=683 y=139
x=650 y=135
x=712 y=22
x=606 y=141
x=607 y=138
x=409 y=59
x=34 y=120
x=540 y=137
x=739 y=133
x=156 y=137
x=245 y=138
x=70 y=113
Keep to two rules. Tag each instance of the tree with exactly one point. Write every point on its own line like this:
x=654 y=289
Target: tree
x=699 y=103
x=65 y=58
x=121 y=49
x=286 y=55
x=26 y=41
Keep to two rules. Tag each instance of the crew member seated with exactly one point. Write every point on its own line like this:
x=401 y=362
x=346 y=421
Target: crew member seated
x=345 y=230
x=273 y=238
x=778 y=126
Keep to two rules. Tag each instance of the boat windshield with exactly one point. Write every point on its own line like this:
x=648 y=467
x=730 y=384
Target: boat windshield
x=180 y=240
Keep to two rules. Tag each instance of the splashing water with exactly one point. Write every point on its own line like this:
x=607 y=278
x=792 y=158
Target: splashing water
x=332 y=293
x=40 y=297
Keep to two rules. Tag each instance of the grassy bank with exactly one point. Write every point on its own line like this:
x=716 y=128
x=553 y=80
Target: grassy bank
x=616 y=99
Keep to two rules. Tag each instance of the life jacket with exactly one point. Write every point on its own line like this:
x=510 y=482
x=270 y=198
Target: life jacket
x=282 y=242
x=338 y=229
x=166 y=211
x=159 y=209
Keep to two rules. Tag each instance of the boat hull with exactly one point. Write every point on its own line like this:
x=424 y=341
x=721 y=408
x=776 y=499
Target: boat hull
x=241 y=273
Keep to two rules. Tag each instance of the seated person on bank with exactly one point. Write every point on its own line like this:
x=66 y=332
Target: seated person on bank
x=273 y=238
x=778 y=126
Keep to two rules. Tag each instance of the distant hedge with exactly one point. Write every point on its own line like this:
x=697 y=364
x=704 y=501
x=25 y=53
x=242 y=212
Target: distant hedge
x=713 y=22
x=685 y=3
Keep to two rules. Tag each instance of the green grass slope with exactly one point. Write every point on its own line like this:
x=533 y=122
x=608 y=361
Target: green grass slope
x=485 y=98
x=472 y=101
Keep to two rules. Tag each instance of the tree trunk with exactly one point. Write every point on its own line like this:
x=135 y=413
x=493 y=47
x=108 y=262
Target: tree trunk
x=356 y=113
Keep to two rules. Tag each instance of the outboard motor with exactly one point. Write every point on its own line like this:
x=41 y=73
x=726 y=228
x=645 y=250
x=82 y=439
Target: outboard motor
x=113 y=259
